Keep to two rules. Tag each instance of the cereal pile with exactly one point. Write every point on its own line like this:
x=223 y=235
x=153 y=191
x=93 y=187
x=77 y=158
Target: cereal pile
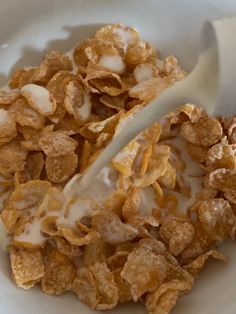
x=55 y=119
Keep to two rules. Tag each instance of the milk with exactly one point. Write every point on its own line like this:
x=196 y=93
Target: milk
x=201 y=84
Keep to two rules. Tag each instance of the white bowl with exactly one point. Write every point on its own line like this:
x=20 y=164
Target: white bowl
x=29 y=29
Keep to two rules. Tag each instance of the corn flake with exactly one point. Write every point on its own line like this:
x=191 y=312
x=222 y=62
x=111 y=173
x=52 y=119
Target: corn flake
x=34 y=165
x=39 y=98
x=31 y=142
x=217 y=219
x=205 y=132
x=123 y=286
x=222 y=155
x=21 y=77
x=55 y=144
x=25 y=115
x=177 y=235
x=85 y=287
x=149 y=89
x=66 y=248
x=199 y=245
x=111 y=228
x=115 y=202
x=59 y=169
x=7 y=127
x=74 y=98
x=103 y=81
x=117 y=260
x=97 y=251
x=198 y=153
x=53 y=62
x=225 y=181
x=164 y=298
x=139 y=53
x=114 y=102
x=12 y=157
x=157 y=166
x=144 y=271
x=59 y=274
x=56 y=87
x=195 y=266
x=118 y=35
x=123 y=161
x=78 y=238
x=6 y=98
x=106 y=287
x=132 y=203
x=168 y=179
x=27 y=267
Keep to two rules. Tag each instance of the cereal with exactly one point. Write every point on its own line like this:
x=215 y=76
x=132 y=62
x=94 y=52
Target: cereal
x=149 y=89
x=139 y=53
x=77 y=238
x=164 y=298
x=99 y=80
x=7 y=127
x=49 y=226
x=195 y=266
x=56 y=87
x=85 y=287
x=144 y=271
x=132 y=203
x=124 y=160
x=123 y=286
x=199 y=245
x=25 y=115
x=114 y=102
x=225 y=181
x=222 y=155
x=150 y=221
x=31 y=142
x=27 y=267
x=6 y=98
x=106 y=287
x=92 y=130
x=21 y=77
x=27 y=196
x=111 y=228
x=177 y=235
x=232 y=132
x=97 y=251
x=57 y=144
x=145 y=72
x=74 y=98
x=66 y=248
x=168 y=179
x=39 y=98
x=198 y=153
x=172 y=69
x=12 y=157
x=118 y=35
x=59 y=274
x=59 y=169
x=205 y=132
x=217 y=219
x=54 y=62
x=34 y=165
x=116 y=202
x=157 y=166
x=117 y=260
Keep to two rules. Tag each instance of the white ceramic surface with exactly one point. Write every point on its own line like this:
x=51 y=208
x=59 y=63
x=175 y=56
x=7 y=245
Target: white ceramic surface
x=30 y=28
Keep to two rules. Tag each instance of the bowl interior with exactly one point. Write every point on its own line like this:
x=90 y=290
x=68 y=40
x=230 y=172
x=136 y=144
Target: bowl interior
x=29 y=29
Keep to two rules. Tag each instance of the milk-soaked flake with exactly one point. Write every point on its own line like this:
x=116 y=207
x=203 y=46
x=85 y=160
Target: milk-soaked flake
x=39 y=98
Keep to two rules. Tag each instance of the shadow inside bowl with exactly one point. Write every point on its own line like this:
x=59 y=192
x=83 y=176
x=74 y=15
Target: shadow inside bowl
x=32 y=56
